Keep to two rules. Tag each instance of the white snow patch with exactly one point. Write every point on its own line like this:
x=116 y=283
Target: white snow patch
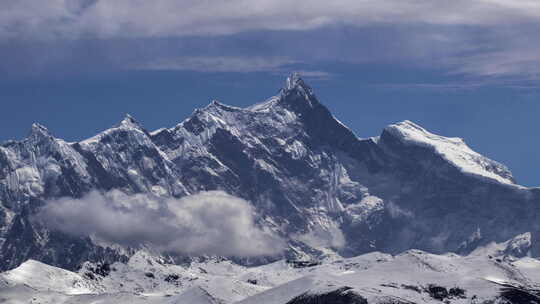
x=47 y=278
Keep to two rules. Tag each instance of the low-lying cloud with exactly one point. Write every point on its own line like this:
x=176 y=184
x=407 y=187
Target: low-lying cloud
x=397 y=212
x=328 y=235
x=208 y=223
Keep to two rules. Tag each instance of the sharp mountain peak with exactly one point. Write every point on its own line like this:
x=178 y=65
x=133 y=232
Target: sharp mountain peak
x=38 y=130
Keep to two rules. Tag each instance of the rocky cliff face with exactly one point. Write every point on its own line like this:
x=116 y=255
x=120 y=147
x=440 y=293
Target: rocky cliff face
x=308 y=176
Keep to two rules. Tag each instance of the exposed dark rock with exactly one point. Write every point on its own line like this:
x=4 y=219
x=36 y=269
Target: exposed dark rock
x=412 y=287
x=520 y=295
x=303 y=264
x=344 y=295
x=172 y=278
x=437 y=292
x=150 y=275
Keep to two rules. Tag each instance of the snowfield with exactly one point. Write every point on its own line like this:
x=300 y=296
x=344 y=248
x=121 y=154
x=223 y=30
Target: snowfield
x=415 y=276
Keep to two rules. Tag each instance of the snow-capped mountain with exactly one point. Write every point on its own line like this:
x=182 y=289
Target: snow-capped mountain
x=310 y=179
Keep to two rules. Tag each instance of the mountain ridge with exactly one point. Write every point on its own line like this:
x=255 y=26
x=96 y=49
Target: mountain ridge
x=308 y=176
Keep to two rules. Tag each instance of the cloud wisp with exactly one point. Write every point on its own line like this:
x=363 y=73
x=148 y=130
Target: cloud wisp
x=217 y=64
x=208 y=223
x=231 y=64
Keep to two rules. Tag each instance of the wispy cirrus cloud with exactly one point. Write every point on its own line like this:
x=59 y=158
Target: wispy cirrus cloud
x=449 y=87
x=316 y=75
x=217 y=64
x=129 y=18
x=480 y=38
x=276 y=65
x=464 y=85
x=501 y=63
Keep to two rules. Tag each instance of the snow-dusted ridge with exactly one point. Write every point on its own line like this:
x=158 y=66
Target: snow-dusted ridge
x=128 y=123
x=452 y=149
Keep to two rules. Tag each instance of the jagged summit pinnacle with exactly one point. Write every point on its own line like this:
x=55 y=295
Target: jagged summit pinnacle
x=216 y=104
x=129 y=121
x=38 y=130
x=295 y=82
x=297 y=93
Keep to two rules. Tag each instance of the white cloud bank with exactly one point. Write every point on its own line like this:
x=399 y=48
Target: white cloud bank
x=485 y=38
x=208 y=223
x=141 y=18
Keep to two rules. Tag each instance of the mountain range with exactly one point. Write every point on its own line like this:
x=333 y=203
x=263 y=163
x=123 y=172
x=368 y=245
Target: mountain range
x=310 y=181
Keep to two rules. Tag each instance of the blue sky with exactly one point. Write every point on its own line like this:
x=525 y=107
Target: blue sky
x=463 y=68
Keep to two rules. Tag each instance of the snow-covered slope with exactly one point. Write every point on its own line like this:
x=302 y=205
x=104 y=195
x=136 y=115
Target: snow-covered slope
x=411 y=277
x=43 y=277
x=452 y=149
x=311 y=180
x=493 y=276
